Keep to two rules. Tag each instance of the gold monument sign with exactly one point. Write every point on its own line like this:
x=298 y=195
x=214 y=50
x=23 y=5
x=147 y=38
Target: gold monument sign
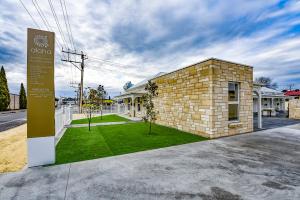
x=40 y=83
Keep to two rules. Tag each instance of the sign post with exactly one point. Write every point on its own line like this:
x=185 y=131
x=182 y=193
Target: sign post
x=41 y=97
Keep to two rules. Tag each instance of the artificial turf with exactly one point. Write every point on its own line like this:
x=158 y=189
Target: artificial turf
x=105 y=118
x=79 y=144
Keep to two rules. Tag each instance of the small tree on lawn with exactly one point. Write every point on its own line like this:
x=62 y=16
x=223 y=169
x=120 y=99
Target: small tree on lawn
x=89 y=110
x=150 y=116
x=90 y=106
x=23 y=99
x=101 y=94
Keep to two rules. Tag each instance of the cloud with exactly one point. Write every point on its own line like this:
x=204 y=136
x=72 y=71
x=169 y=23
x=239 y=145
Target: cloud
x=130 y=40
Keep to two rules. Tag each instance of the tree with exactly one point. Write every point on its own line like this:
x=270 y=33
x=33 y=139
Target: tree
x=4 y=92
x=23 y=99
x=150 y=116
x=93 y=96
x=127 y=85
x=101 y=94
x=90 y=106
x=89 y=109
x=267 y=82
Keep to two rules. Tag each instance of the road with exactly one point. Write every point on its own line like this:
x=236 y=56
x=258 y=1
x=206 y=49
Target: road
x=11 y=119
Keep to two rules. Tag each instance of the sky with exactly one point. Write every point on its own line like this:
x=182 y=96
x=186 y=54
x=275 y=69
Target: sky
x=130 y=40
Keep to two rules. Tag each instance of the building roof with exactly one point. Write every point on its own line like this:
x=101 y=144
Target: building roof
x=292 y=93
x=143 y=82
x=270 y=92
x=138 y=88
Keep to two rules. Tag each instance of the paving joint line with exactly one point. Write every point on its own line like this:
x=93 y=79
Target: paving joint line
x=67 y=182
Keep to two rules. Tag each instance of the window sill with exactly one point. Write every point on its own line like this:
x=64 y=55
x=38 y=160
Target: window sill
x=235 y=124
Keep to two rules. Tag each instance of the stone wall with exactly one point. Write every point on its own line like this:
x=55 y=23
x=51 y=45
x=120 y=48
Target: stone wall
x=195 y=98
x=224 y=72
x=294 y=109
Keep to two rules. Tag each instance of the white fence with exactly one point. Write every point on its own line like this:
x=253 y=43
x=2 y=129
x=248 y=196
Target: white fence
x=122 y=108
x=105 y=109
x=63 y=116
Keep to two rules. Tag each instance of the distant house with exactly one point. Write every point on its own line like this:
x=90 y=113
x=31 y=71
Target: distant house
x=130 y=102
x=108 y=102
x=293 y=93
x=272 y=102
x=14 y=101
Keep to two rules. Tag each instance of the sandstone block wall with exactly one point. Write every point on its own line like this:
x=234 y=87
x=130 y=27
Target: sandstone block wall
x=294 y=109
x=195 y=98
x=224 y=72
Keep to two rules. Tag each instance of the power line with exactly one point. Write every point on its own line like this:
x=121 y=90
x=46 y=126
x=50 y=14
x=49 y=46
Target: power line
x=44 y=19
x=57 y=23
x=66 y=24
x=29 y=14
x=68 y=21
x=41 y=15
x=38 y=8
x=113 y=63
x=117 y=70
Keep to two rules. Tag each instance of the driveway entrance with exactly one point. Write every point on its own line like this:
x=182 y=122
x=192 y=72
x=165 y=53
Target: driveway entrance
x=274 y=122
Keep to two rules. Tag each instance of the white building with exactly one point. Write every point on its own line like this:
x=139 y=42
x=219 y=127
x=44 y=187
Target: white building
x=272 y=102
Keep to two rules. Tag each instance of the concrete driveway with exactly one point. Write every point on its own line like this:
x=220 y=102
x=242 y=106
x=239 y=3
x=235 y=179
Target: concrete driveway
x=274 y=122
x=260 y=165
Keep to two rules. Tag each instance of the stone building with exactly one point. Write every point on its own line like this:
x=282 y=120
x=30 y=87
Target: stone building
x=294 y=109
x=212 y=98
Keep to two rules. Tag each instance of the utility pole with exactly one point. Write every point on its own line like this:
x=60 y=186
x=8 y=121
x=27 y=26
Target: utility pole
x=290 y=86
x=81 y=68
x=76 y=86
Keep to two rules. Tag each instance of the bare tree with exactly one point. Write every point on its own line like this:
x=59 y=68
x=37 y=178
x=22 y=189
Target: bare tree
x=267 y=82
x=151 y=89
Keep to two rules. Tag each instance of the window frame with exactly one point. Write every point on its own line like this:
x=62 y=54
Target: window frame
x=237 y=102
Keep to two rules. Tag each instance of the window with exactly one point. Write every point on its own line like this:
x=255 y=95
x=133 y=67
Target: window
x=139 y=107
x=233 y=101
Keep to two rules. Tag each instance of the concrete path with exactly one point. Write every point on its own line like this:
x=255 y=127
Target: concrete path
x=97 y=124
x=136 y=119
x=260 y=165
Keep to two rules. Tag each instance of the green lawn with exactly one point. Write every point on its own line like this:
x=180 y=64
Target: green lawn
x=105 y=118
x=79 y=144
